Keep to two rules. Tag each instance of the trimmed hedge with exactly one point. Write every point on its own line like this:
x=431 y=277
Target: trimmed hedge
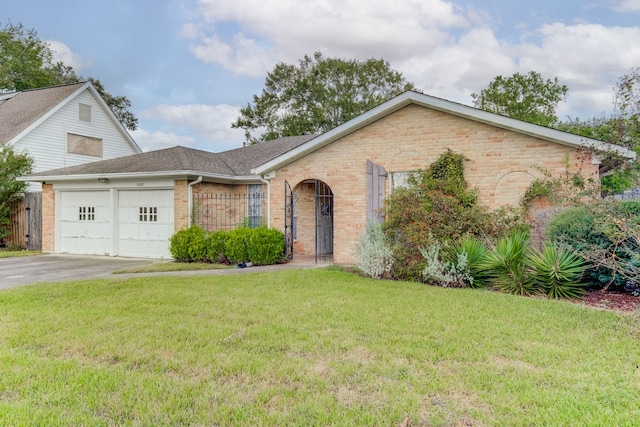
x=189 y=245
x=262 y=246
x=265 y=246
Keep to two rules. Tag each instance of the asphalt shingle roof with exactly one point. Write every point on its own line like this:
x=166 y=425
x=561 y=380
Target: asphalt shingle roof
x=237 y=162
x=18 y=110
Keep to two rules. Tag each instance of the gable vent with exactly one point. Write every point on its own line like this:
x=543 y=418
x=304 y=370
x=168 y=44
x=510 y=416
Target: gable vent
x=85 y=113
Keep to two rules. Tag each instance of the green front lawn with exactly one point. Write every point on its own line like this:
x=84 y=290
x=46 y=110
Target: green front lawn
x=309 y=347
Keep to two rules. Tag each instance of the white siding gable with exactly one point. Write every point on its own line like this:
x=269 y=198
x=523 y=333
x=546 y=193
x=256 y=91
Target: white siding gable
x=47 y=143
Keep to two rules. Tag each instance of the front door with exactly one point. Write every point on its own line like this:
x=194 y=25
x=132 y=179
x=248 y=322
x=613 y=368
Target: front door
x=324 y=222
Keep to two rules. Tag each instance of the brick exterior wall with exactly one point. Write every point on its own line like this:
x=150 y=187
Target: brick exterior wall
x=501 y=165
x=180 y=204
x=48 y=218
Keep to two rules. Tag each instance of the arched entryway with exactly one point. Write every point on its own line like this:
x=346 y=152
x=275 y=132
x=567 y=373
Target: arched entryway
x=308 y=227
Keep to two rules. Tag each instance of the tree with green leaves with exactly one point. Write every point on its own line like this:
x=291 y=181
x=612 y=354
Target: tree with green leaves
x=627 y=110
x=12 y=165
x=317 y=95
x=524 y=97
x=26 y=62
x=622 y=127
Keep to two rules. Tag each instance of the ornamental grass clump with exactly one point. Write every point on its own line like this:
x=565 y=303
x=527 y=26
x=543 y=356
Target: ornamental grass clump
x=514 y=267
x=474 y=251
x=506 y=265
x=374 y=257
x=557 y=271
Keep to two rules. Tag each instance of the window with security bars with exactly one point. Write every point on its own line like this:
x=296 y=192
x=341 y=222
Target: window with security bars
x=254 y=205
x=86 y=213
x=148 y=213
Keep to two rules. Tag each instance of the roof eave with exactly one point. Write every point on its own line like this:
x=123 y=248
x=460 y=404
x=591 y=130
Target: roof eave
x=191 y=174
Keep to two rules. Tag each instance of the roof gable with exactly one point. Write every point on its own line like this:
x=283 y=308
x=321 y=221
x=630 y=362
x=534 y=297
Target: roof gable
x=460 y=110
x=21 y=112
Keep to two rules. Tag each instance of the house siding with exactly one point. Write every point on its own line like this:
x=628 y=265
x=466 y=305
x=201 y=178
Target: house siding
x=47 y=143
x=501 y=165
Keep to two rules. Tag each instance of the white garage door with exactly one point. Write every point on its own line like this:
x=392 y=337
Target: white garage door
x=145 y=223
x=85 y=223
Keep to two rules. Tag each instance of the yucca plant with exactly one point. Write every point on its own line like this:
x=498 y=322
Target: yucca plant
x=506 y=265
x=557 y=271
x=475 y=251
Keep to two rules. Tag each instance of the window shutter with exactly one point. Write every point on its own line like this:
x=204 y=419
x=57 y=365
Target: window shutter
x=376 y=182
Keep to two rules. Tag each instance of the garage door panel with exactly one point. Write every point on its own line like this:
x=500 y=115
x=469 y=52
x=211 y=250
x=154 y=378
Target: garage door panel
x=145 y=223
x=85 y=223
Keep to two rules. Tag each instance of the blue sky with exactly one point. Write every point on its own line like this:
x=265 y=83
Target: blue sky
x=189 y=65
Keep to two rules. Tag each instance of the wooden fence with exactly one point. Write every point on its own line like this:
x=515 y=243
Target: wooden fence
x=26 y=222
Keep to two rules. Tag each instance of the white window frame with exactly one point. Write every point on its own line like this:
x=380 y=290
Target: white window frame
x=400 y=179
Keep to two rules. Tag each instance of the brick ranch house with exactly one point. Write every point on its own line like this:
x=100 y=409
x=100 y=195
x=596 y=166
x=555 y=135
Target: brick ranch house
x=319 y=190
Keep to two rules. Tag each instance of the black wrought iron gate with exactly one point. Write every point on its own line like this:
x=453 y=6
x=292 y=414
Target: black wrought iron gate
x=288 y=221
x=324 y=222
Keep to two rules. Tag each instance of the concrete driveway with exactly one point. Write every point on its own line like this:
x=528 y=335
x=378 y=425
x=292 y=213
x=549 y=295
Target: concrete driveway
x=57 y=268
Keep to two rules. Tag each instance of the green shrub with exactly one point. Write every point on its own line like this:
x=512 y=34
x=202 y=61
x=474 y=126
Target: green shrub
x=216 y=246
x=189 y=244
x=606 y=234
x=506 y=265
x=557 y=271
x=438 y=203
x=373 y=256
x=265 y=246
x=236 y=246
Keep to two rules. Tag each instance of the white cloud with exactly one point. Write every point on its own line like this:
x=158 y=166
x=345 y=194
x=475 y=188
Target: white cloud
x=63 y=53
x=243 y=56
x=628 y=6
x=285 y=30
x=446 y=50
x=210 y=123
x=588 y=58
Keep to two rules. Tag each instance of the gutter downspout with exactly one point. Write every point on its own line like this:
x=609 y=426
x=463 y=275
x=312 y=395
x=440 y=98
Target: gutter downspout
x=190 y=198
x=266 y=181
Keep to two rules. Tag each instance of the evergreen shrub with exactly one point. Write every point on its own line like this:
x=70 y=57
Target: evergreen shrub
x=265 y=246
x=606 y=234
x=236 y=246
x=216 y=246
x=189 y=245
